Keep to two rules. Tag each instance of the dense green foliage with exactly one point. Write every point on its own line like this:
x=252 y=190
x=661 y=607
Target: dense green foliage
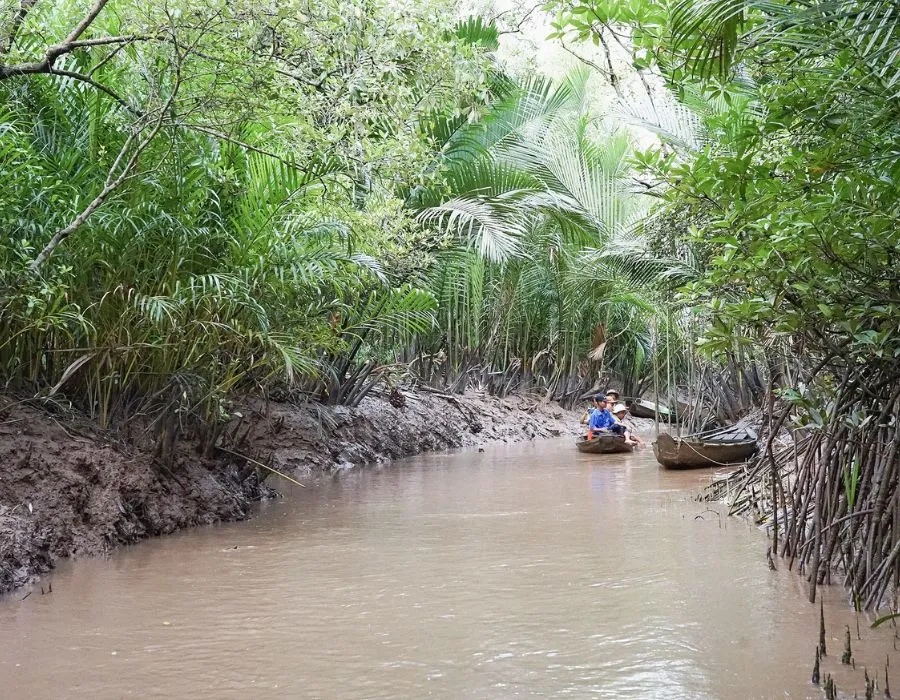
x=312 y=198
x=245 y=163
x=207 y=198
x=786 y=193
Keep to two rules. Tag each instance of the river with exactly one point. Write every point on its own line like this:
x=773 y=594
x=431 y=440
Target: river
x=523 y=571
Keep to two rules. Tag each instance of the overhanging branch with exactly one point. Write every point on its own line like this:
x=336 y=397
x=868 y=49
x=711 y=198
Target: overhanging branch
x=71 y=43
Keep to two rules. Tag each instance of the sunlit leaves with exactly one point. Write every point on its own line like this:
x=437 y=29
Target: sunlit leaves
x=538 y=201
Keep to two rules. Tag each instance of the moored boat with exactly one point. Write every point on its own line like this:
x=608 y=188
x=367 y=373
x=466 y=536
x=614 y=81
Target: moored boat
x=640 y=408
x=603 y=444
x=693 y=452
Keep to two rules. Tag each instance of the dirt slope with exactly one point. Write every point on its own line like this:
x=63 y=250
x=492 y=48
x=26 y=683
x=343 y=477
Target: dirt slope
x=69 y=489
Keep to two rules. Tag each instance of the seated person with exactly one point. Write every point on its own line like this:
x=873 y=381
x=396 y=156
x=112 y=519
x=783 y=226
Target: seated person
x=619 y=412
x=599 y=417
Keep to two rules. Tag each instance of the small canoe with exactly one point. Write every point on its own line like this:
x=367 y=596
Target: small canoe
x=696 y=452
x=647 y=409
x=603 y=444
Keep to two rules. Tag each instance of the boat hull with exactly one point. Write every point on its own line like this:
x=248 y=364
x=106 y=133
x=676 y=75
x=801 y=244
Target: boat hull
x=685 y=453
x=603 y=444
x=648 y=409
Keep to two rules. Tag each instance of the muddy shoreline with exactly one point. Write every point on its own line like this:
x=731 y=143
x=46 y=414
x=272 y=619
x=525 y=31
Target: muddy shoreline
x=68 y=489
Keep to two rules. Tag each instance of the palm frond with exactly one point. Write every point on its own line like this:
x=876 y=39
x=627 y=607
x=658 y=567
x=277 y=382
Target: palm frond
x=476 y=30
x=493 y=226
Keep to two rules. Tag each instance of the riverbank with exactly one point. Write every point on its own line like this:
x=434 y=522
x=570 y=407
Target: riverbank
x=70 y=489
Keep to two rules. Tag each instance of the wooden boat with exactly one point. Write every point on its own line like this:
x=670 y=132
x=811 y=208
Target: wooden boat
x=603 y=444
x=713 y=450
x=647 y=409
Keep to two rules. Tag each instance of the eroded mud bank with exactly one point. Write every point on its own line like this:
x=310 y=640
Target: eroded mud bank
x=69 y=489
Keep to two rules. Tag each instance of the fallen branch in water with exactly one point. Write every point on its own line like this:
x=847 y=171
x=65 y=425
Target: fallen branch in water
x=264 y=466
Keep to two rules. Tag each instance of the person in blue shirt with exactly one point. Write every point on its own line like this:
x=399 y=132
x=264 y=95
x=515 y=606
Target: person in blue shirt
x=599 y=417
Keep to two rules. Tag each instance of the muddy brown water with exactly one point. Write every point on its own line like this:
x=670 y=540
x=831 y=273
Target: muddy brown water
x=524 y=571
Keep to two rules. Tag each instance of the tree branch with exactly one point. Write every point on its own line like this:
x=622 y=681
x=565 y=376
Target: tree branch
x=242 y=144
x=107 y=40
x=86 y=22
x=522 y=20
x=640 y=73
x=608 y=74
x=24 y=8
x=113 y=181
x=90 y=81
x=111 y=184
x=69 y=44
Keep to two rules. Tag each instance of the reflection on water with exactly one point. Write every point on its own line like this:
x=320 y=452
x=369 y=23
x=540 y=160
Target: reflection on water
x=523 y=571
